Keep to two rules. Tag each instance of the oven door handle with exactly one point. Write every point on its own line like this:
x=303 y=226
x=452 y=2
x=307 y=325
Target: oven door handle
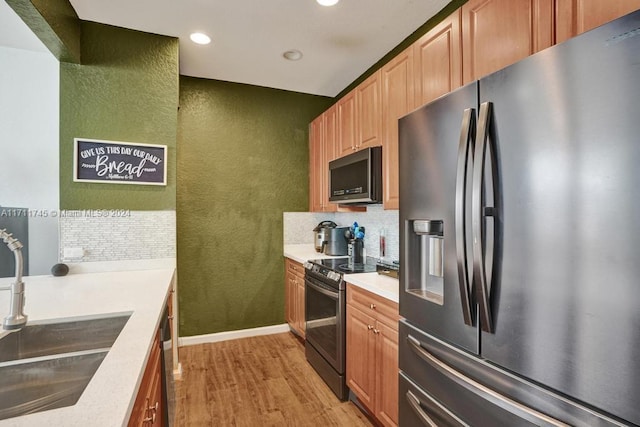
x=323 y=291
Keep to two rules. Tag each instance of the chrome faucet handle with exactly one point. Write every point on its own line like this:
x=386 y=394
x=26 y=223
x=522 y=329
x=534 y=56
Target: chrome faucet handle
x=16 y=318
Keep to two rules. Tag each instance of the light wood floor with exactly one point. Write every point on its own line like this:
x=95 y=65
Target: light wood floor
x=259 y=381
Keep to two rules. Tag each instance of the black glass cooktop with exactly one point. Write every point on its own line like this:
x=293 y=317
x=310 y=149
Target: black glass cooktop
x=341 y=265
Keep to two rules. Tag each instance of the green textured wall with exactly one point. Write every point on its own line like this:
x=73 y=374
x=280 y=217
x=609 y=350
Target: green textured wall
x=125 y=90
x=243 y=160
x=55 y=23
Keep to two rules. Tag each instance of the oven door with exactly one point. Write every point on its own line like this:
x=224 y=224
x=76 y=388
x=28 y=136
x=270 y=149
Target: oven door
x=325 y=321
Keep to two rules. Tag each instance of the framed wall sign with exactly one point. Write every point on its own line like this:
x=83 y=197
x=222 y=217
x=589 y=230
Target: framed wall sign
x=118 y=162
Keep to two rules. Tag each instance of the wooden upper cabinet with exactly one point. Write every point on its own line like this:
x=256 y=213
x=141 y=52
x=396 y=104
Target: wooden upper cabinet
x=497 y=33
x=397 y=100
x=322 y=135
x=438 y=60
x=369 y=111
x=330 y=133
x=315 y=164
x=346 y=124
x=577 y=16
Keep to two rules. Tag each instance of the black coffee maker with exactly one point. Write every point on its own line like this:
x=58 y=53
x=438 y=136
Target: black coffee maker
x=355 y=247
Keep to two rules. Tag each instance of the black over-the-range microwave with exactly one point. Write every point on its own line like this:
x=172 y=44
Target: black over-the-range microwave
x=357 y=177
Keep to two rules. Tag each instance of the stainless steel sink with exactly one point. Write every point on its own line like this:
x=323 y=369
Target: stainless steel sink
x=61 y=337
x=48 y=365
x=53 y=382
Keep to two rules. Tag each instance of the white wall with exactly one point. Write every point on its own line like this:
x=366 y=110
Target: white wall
x=29 y=147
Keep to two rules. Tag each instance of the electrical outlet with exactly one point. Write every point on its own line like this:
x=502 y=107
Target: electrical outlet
x=73 y=253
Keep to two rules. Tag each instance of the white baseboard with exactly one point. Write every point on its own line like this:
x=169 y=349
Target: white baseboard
x=232 y=335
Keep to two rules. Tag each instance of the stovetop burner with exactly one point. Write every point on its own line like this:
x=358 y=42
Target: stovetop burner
x=356 y=268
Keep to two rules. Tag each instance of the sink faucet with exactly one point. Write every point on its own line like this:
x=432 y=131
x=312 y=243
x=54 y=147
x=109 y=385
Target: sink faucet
x=16 y=318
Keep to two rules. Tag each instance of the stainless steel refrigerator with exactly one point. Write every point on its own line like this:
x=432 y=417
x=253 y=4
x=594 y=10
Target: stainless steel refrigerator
x=520 y=242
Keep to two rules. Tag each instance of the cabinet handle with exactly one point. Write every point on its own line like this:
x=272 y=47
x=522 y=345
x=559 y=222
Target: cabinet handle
x=376 y=331
x=153 y=408
x=151 y=419
x=369 y=327
x=372 y=306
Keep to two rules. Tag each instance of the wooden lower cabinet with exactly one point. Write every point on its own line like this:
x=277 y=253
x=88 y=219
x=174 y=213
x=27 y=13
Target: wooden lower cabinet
x=147 y=409
x=372 y=353
x=294 y=296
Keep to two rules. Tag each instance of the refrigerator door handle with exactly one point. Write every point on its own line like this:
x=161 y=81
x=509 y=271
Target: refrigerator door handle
x=478 y=214
x=416 y=405
x=507 y=404
x=465 y=165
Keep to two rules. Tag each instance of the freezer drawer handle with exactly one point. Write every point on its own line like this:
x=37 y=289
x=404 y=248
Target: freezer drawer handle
x=415 y=404
x=478 y=214
x=480 y=390
x=465 y=163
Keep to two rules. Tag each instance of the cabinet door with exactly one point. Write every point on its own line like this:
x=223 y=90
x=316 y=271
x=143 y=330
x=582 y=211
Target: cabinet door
x=438 y=60
x=346 y=115
x=322 y=137
x=315 y=164
x=369 y=111
x=290 y=299
x=497 y=33
x=146 y=409
x=329 y=151
x=577 y=16
x=361 y=356
x=397 y=100
x=155 y=408
x=387 y=369
x=300 y=321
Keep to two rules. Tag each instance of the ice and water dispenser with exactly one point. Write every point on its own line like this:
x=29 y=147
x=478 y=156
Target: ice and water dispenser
x=425 y=252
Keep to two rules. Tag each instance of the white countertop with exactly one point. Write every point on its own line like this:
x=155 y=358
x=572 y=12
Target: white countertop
x=385 y=286
x=304 y=252
x=109 y=396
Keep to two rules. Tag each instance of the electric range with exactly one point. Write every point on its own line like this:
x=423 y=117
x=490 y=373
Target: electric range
x=331 y=270
x=325 y=316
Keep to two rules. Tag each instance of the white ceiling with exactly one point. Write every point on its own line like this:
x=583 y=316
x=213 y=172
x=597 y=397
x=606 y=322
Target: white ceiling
x=339 y=43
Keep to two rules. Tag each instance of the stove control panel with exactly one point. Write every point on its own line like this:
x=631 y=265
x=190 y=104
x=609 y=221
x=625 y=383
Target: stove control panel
x=322 y=271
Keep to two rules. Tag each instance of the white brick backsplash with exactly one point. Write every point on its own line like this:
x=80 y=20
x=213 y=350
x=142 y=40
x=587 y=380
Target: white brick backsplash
x=114 y=235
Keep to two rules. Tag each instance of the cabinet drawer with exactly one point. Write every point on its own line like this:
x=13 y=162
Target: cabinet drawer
x=374 y=305
x=295 y=268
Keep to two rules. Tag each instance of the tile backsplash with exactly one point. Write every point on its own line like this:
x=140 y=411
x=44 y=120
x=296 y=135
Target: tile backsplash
x=298 y=227
x=111 y=235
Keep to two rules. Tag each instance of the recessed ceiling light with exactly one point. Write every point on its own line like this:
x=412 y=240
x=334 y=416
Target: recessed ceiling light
x=292 y=55
x=327 y=2
x=200 y=38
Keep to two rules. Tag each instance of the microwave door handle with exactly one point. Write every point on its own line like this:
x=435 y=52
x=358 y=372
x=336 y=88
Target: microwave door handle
x=465 y=164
